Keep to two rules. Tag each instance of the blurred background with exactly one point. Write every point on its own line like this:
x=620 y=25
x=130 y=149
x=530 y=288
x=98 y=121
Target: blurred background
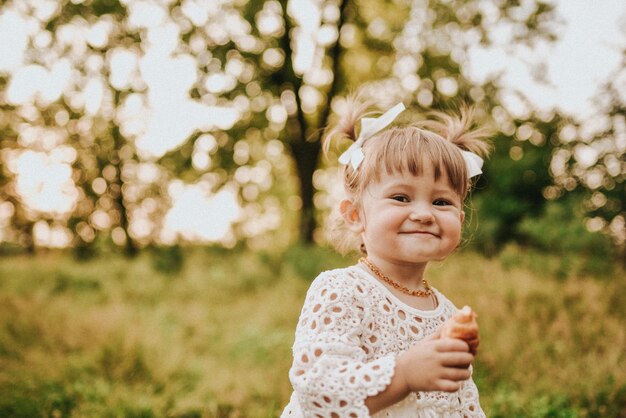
x=164 y=195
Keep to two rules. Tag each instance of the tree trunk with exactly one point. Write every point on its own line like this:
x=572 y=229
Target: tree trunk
x=23 y=226
x=131 y=248
x=306 y=154
x=304 y=149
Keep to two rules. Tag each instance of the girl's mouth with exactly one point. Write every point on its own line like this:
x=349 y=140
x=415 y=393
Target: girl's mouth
x=419 y=233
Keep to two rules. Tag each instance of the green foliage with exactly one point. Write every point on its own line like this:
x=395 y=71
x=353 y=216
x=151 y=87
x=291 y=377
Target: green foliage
x=169 y=259
x=84 y=251
x=560 y=232
x=555 y=243
x=512 y=190
x=307 y=261
x=606 y=401
x=27 y=399
x=67 y=282
x=10 y=248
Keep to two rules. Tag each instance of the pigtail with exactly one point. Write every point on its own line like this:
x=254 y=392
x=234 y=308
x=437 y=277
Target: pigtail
x=460 y=130
x=345 y=126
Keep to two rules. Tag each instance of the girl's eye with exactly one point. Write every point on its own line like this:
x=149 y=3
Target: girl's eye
x=400 y=198
x=442 y=202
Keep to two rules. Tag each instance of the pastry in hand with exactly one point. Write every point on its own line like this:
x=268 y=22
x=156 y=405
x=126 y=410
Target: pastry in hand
x=462 y=325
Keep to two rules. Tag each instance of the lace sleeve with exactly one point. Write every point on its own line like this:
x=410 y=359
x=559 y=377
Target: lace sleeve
x=330 y=374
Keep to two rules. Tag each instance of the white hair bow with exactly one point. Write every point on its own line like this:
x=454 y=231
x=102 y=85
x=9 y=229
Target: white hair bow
x=369 y=127
x=473 y=163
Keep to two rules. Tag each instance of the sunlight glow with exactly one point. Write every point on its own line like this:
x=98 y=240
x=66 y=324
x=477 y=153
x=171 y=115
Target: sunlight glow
x=93 y=95
x=45 y=9
x=219 y=83
x=144 y=14
x=269 y=20
x=25 y=84
x=586 y=155
x=447 y=86
x=199 y=216
x=45 y=183
x=197 y=11
x=98 y=34
x=124 y=65
x=14 y=39
x=307 y=15
x=173 y=116
x=34 y=82
x=52 y=236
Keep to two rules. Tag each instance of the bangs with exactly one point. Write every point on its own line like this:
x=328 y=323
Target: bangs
x=409 y=150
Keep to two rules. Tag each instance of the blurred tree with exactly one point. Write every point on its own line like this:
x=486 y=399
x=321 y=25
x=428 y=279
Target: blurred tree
x=591 y=160
x=77 y=124
x=17 y=226
x=291 y=60
x=279 y=67
x=558 y=230
x=517 y=183
x=551 y=166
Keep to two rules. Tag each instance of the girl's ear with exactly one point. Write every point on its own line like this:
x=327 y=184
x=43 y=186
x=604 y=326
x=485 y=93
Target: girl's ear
x=462 y=217
x=351 y=215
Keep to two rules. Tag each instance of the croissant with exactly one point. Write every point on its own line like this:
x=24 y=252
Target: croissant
x=463 y=325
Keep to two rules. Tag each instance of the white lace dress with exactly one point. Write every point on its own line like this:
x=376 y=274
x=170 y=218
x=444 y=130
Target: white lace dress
x=350 y=331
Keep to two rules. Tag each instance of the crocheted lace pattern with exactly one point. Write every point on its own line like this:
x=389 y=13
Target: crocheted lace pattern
x=350 y=331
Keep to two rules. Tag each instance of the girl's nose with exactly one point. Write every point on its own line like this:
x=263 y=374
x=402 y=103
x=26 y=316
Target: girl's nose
x=421 y=213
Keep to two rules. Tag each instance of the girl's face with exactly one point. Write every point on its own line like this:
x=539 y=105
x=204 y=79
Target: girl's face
x=408 y=219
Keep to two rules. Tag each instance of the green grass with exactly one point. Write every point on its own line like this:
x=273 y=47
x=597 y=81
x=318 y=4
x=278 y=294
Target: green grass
x=116 y=338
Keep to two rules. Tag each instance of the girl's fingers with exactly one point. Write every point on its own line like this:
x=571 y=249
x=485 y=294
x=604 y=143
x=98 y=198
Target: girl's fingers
x=460 y=360
x=456 y=374
x=452 y=344
x=448 y=385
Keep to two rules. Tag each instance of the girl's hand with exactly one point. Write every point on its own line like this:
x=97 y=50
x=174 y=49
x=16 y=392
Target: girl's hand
x=435 y=364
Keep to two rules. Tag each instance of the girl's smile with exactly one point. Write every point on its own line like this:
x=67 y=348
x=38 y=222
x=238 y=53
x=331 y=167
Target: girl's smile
x=427 y=233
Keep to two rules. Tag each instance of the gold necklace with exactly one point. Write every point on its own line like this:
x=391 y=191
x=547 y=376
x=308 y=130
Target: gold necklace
x=396 y=285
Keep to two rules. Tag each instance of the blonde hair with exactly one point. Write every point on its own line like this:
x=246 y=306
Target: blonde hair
x=437 y=141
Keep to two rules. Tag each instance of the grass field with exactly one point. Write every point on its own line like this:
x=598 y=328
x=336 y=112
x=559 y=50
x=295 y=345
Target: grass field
x=118 y=338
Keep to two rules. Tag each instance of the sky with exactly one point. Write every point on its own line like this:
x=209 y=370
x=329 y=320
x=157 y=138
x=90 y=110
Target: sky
x=587 y=52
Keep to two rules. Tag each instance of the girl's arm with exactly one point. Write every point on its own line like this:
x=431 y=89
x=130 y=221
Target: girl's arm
x=330 y=374
x=432 y=364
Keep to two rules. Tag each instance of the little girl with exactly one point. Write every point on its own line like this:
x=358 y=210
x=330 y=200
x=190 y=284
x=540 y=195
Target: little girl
x=368 y=339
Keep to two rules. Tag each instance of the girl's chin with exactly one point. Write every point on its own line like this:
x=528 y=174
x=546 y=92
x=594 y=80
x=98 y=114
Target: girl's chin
x=408 y=255
x=426 y=258
x=418 y=259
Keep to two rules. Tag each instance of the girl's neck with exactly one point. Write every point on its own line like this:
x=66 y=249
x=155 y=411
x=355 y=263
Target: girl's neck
x=408 y=274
